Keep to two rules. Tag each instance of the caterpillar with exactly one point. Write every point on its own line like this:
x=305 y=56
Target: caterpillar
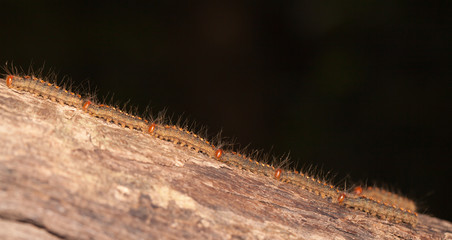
x=388 y=197
x=376 y=202
x=379 y=208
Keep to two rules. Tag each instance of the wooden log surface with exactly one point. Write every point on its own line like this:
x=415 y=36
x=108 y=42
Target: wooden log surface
x=67 y=175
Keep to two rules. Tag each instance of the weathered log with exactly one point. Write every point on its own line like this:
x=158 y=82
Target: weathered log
x=67 y=175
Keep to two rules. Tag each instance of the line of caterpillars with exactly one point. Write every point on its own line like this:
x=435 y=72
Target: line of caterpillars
x=374 y=201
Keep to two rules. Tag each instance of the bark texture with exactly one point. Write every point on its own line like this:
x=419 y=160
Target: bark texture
x=67 y=175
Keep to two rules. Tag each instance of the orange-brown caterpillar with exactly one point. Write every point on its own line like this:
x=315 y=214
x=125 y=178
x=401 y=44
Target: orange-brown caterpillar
x=365 y=200
x=44 y=89
x=388 y=197
x=381 y=209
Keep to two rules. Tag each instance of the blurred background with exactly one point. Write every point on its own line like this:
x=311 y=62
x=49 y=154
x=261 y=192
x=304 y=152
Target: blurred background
x=361 y=89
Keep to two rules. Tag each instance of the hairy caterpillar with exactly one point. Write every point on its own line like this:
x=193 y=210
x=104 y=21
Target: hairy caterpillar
x=386 y=196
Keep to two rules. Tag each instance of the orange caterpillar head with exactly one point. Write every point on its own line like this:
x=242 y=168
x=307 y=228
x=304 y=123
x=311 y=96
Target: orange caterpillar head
x=9 y=80
x=278 y=173
x=151 y=128
x=219 y=153
x=341 y=198
x=358 y=190
x=86 y=105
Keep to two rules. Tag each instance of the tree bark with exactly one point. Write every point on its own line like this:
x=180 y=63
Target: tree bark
x=67 y=175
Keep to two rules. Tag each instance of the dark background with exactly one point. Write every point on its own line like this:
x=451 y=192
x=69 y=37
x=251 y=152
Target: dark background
x=359 y=88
